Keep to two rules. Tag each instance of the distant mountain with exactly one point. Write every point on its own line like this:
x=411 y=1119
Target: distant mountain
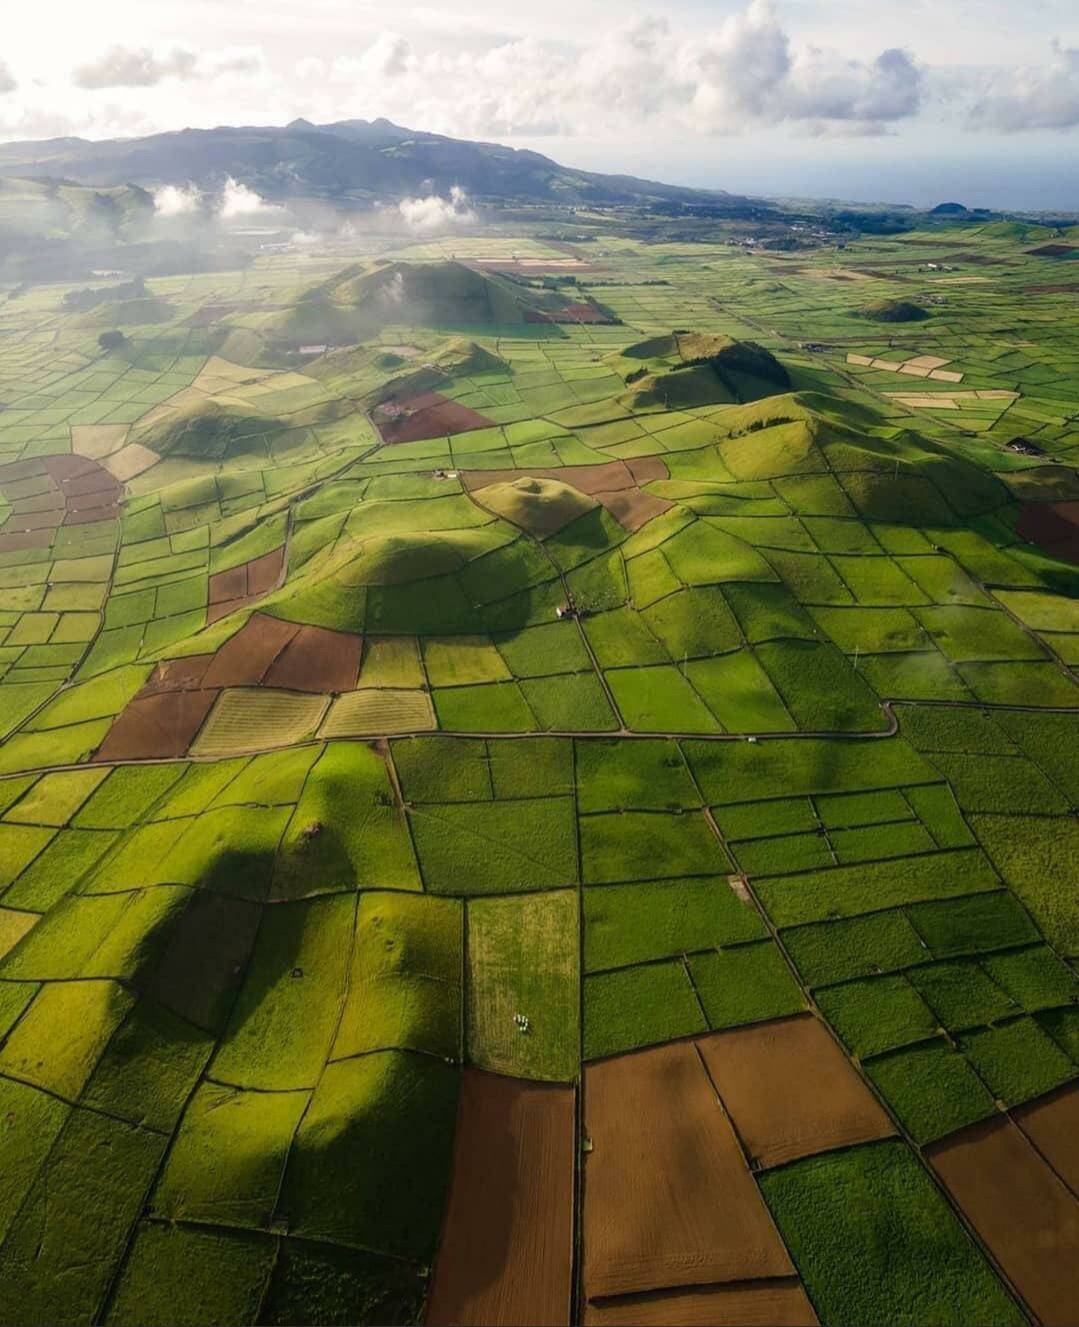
x=353 y=160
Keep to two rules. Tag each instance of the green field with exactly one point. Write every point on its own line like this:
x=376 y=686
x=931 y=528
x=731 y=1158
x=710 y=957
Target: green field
x=332 y=765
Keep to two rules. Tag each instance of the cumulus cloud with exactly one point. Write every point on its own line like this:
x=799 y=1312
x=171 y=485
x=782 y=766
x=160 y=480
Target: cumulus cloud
x=177 y=200
x=1036 y=97
x=7 y=79
x=126 y=67
x=742 y=73
x=389 y=56
x=424 y=215
x=130 y=67
x=238 y=202
x=750 y=71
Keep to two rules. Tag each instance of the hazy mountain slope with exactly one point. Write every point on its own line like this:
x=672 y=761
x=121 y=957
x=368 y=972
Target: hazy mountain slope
x=354 y=158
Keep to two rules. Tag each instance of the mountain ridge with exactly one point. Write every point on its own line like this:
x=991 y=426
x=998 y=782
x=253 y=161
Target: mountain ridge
x=360 y=160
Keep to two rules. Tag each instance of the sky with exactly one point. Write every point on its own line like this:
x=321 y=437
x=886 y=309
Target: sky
x=923 y=101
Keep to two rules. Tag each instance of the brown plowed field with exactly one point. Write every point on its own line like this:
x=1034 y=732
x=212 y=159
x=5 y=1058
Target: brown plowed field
x=428 y=415
x=177 y=675
x=790 y=1091
x=632 y=507
x=756 y=1304
x=241 y=585
x=226 y=585
x=1021 y=1210
x=317 y=659
x=245 y=659
x=263 y=572
x=646 y=468
x=577 y=312
x=1053 y=526
x=668 y=1200
x=506 y=1252
x=1052 y=1123
x=615 y=484
x=164 y=724
x=168 y=712
x=56 y=490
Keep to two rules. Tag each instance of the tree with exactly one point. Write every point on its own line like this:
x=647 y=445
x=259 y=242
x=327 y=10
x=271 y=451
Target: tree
x=111 y=340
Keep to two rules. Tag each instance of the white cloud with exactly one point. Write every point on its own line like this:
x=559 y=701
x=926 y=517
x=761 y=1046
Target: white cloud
x=742 y=74
x=124 y=67
x=1034 y=97
x=7 y=79
x=432 y=213
x=750 y=71
x=238 y=201
x=176 y=201
x=389 y=56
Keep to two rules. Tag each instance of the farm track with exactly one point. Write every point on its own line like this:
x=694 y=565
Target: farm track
x=602 y=734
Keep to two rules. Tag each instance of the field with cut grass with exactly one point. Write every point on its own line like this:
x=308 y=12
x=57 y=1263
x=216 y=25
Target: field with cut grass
x=531 y=800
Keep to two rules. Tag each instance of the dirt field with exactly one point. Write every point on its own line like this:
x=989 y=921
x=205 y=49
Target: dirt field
x=1053 y=526
x=429 y=415
x=1021 y=1210
x=577 y=312
x=790 y=1091
x=70 y=490
x=244 y=584
x=615 y=484
x=97 y=441
x=317 y=659
x=1052 y=1124
x=167 y=713
x=245 y=659
x=506 y=1252
x=668 y=1200
x=161 y=724
x=758 y=1304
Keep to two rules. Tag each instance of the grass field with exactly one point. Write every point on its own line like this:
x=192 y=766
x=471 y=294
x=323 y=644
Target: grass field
x=581 y=711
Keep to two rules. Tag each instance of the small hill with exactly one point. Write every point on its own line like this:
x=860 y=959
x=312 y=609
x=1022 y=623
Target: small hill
x=355 y=304
x=1015 y=230
x=368 y=372
x=205 y=429
x=540 y=506
x=888 y=475
x=214 y=430
x=894 y=311
x=689 y=369
x=433 y=294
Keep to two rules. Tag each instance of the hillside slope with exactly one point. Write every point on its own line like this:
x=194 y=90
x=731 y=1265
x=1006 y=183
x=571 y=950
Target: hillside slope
x=356 y=159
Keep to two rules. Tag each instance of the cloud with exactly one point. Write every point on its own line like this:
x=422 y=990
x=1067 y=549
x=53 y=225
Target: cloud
x=238 y=201
x=8 y=82
x=740 y=74
x=1035 y=97
x=124 y=67
x=243 y=60
x=751 y=72
x=424 y=215
x=177 y=201
x=389 y=56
